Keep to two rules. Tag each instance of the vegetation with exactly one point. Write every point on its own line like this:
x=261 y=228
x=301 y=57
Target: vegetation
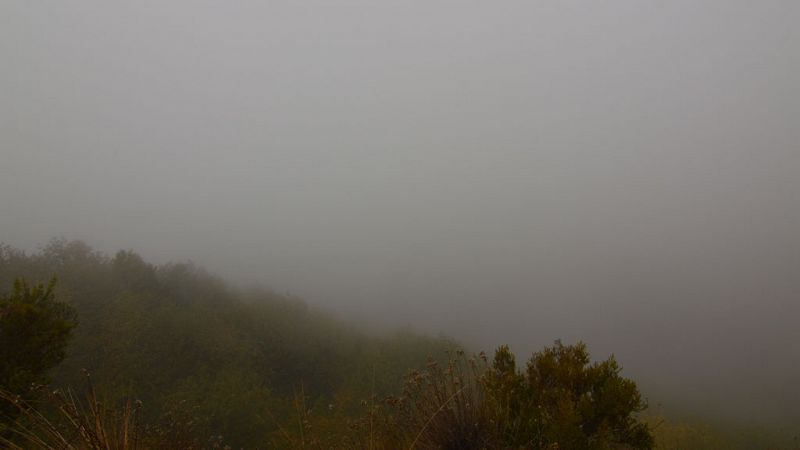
x=189 y=346
x=185 y=361
x=560 y=402
x=34 y=331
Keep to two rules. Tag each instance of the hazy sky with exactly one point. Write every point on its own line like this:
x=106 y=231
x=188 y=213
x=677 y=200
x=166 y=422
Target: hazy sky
x=624 y=172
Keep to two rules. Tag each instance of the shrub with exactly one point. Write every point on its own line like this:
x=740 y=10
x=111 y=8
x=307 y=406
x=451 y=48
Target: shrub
x=561 y=400
x=34 y=332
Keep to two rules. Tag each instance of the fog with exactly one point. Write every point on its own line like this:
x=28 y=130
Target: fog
x=624 y=172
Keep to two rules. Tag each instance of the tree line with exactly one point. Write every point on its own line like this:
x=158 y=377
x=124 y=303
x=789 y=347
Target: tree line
x=176 y=358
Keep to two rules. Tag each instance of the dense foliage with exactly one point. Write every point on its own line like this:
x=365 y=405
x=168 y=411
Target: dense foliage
x=34 y=331
x=563 y=398
x=189 y=346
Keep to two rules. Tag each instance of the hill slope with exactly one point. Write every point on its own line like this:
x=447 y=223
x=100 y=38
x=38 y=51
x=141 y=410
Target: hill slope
x=188 y=344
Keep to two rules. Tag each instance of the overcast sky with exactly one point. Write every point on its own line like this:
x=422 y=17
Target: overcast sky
x=624 y=172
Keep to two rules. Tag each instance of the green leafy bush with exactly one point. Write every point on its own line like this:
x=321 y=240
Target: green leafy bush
x=34 y=333
x=561 y=400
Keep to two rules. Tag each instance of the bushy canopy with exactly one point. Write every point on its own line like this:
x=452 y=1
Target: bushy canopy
x=34 y=333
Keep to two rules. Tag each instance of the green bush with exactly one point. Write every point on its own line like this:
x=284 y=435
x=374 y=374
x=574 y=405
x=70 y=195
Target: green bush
x=561 y=400
x=34 y=333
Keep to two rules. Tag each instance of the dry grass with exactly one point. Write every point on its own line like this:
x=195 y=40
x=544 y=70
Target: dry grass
x=61 y=420
x=442 y=407
x=445 y=408
x=75 y=424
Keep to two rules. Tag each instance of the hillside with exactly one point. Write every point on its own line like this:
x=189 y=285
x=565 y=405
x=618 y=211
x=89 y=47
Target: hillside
x=187 y=344
x=252 y=368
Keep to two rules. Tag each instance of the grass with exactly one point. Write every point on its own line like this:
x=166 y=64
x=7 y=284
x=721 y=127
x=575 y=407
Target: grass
x=59 y=419
x=72 y=423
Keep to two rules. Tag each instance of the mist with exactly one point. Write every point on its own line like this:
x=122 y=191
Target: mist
x=624 y=173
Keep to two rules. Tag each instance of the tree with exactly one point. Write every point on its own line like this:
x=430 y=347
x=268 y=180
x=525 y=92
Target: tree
x=563 y=401
x=34 y=333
